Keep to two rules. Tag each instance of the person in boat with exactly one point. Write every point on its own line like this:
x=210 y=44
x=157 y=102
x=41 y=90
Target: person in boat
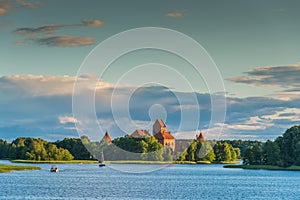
x=54 y=169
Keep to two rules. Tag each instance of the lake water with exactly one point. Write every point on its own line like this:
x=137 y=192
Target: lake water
x=88 y=181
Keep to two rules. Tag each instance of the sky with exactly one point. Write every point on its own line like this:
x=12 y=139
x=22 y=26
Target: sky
x=254 y=45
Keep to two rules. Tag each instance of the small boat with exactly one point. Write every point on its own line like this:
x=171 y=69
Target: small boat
x=54 y=169
x=101 y=164
x=101 y=161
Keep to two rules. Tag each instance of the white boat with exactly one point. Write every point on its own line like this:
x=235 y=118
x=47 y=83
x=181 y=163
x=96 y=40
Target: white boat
x=101 y=161
x=54 y=169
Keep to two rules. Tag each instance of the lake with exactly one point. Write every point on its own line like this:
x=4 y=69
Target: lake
x=88 y=181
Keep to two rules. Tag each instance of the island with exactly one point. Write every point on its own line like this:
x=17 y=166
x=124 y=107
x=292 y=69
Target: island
x=9 y=168
x=160 y=148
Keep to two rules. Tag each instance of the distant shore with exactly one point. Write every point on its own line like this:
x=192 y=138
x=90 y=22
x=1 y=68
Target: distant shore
x=56 y=161
x=263 y=167
x=95 y=162
x=9 y=168
x=119 y=162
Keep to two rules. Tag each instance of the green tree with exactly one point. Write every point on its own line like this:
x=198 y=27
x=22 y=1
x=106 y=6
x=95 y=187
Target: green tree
x=289 y=145
x=131 y=148
x=168 y=154
x=237 y=152
x=191 y=151
x=4 y=149
x=155 y=149
x=144 y=146
x=271 y=153
x=253 y=155
x=224 y=152
x=37 y=149
x=75 y=147
x=297 y=153
x=207 y=152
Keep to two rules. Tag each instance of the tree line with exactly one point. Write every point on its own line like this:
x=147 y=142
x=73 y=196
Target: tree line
x=129 y=148
x=210 y=151
x=33 y=149
x=284 y=151
x=122 y=148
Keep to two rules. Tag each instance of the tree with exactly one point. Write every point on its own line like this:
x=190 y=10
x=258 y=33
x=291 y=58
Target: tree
x=253 y=155
x=37 y=149
x=208 y=153
x=131 y=148
x=4 y=149
x=237 y=152
x=297 y=153
x=191 y=151
x=242 y=145
x=155 y=149
x=224 y=152
x=248 y=156
x=271 y=153
x=144 y=146
x=289 y=146
x=65 y=154
x=76 y=148
x=168 y=154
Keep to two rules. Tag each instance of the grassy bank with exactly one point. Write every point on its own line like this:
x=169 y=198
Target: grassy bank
x=56 y=161
x=9 y=168
x=229 y=162
x=263 y=167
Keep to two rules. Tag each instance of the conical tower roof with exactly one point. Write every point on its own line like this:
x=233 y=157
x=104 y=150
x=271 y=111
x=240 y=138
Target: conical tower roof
x=106 y=138
x=201 y=137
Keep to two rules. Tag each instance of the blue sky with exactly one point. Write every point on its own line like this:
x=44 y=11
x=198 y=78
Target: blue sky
x=255 y=45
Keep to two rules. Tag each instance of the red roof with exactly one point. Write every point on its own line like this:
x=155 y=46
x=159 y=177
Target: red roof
x=164 y=135
x=107 y=137
x=201 y=137
x=161 y=123
x=140 y=133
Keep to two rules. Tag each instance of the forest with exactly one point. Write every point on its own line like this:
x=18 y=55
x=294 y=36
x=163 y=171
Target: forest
x=33 y=149
x=284 y=151
x=122 y=148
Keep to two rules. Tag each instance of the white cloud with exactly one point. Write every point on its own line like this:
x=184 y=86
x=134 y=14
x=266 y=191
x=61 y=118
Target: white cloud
x=46 y=85
x=31 y=85
x=67 y=119
x=291 y=114
x=286 y=78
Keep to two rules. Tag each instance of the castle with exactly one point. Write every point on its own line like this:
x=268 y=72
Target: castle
x=161 y=134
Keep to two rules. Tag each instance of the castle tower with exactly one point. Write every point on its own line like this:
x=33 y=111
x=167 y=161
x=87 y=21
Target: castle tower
x=161 y=134
x=200 y=138
x=106 y=138
x=159 y=126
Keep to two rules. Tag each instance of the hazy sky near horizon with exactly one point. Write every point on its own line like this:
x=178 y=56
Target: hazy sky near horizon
x=255 y=45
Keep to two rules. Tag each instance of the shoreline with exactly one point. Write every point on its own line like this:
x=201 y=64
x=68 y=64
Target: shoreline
x=263 y=167
x=120 y=162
